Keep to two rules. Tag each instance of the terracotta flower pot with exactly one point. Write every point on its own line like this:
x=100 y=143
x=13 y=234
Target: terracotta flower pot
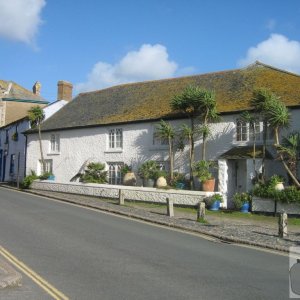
x=208 y=185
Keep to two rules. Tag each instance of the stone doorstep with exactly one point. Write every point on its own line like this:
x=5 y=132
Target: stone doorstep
x=9 y=277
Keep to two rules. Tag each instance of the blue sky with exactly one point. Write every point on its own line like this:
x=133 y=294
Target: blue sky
x=95 y=44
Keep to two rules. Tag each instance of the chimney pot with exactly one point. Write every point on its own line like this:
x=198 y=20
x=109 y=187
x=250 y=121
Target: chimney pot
x=64 y=90
x=36 y=89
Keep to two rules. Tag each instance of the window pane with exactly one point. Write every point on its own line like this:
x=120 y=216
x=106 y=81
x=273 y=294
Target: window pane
x=118 y=138
x=112 y=138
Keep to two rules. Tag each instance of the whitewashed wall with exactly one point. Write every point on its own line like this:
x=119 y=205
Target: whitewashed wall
x=78 y=146
x=91 y=144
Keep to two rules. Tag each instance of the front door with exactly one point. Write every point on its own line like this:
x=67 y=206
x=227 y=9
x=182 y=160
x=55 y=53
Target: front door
x=237 y=177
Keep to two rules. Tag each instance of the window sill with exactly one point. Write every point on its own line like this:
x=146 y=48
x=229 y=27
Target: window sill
x=113 y=151
x=53 y=153
x=158 y=148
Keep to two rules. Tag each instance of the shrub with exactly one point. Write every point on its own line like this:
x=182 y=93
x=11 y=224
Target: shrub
x=126 y=169
x=288 y=195
x=211 y=199
x=27 y=181
x=240 y=198
x=201 y=169
x=94 y=173
x=45 y=176
x=148 y=170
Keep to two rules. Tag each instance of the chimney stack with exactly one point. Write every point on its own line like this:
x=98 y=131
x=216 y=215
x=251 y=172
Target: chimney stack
x=64 y=90
x=36 y=89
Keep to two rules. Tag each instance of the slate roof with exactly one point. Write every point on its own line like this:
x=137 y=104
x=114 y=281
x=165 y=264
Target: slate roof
x=150 y=100
x=17 y=92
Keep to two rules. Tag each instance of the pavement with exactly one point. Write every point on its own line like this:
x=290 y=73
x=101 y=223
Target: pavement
x=246 y=231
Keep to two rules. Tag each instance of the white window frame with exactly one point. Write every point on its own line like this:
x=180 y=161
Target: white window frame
x=115 y=139
x=48 y=166
x=244 y=132
x=54 y=147
x=114 y=172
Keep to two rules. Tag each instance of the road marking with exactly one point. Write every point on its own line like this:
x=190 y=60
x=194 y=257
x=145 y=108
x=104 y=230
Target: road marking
x=50 y=289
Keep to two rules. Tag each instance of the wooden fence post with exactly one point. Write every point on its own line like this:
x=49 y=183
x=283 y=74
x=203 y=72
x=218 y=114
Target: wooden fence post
x=121 y=197
x=283 y=225
x=170 y=208
x=201 y=211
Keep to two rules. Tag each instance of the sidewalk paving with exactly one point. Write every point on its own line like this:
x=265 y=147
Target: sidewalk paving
x=242 y=231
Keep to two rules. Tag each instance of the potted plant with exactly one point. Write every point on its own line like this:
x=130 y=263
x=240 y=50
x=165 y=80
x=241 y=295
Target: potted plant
x=128 y=175
x=241 y=201
x=178 y=181
x=202 y=172
x=160 y=176
x=147 y=171
x=213 y=202
x=277 y=182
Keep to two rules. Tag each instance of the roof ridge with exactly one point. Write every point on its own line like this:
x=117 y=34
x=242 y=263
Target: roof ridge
x=160 y=80
x=257 y=62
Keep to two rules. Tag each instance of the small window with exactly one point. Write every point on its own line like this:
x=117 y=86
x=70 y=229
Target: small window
x=158 y=141
x=114 y=173
x=116 y=138
x=241 y=131
x=48 y=166
x=54 y=143
x=6 y=136
x=12 y=164
x=257 y=132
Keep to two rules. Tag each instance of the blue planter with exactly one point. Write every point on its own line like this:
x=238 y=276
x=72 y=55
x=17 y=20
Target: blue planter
x=245 y=207
x=180 y=185
x=215 y=206
x=51 y=177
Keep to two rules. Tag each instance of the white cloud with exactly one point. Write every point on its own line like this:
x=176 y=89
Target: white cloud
x=148 y=63
x=20 y=19
x=277 y=51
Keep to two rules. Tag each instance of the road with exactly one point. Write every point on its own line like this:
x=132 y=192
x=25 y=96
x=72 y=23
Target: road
x=87 y=254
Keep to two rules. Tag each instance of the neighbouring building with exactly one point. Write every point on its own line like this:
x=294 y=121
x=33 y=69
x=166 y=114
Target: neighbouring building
x=15 y=101
x=12 y=139
x=117 y=125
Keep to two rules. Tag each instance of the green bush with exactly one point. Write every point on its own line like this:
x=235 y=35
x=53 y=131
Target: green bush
x=211 y=199
x=94 y=174
x=27 y=181
x=148 y=170
x=289 y=195
x=240 y=198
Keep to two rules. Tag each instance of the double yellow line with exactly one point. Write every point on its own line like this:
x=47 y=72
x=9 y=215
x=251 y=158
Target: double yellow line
x=51 y=290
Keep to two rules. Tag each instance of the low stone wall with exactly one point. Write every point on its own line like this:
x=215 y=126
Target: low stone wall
x=270 y=206
x=180 y=197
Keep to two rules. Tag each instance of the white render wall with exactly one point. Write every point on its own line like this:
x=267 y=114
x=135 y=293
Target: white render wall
x=78 y=146
x=91 y=144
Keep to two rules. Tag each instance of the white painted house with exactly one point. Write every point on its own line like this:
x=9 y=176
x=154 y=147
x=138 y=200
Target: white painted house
x=13 y=141
x=117 y=126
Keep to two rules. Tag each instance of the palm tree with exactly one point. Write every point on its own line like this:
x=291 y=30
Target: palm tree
x=277 y=116
x=165 y=131
x=36 y=116
x=208 y=113
x=189 y=103
x=290 y=148
x=188 y=134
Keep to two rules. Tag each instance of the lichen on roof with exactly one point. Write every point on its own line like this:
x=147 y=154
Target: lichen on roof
x=150 y=100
